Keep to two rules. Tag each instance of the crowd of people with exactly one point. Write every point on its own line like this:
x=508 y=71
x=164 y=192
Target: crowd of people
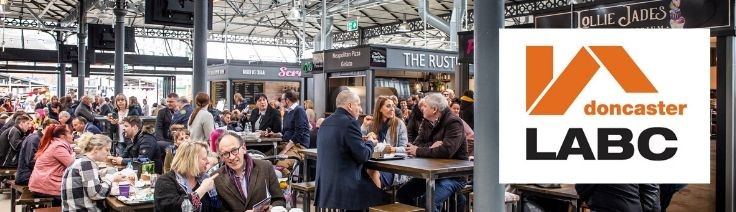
x=203 y=160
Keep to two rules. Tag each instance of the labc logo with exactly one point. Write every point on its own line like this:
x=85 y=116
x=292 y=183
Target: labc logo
x=575 y=77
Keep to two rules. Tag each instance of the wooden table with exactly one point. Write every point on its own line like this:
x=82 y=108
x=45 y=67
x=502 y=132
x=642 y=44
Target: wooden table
x=263 y=141
x=117 y=205
x=429 y=169
x=566 y=193
x=7 y=171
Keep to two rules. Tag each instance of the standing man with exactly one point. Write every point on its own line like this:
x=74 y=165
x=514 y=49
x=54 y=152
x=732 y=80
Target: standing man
x=85 y=109
x=341 y=149
x=295 y=131
x=165 y=116
x=244 y=181
x=443 y=136
x=41 y=104
x=143 y=145
x=185 y=110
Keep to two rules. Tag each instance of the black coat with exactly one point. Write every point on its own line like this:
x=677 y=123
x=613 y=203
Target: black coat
x=163 y=124
x=25 y=158
x=144 y=145
x=466 y=112
x=342 y=182
x=169 y=195
x=620 y=197
x=10 y=143
x=271 y=119
x=414 y=123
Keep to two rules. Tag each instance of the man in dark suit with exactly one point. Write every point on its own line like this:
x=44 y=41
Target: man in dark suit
x=264 y=116
x=295 y=131
x=341 y=149
x=244 y=181
x=81 y=125
x=164 y=116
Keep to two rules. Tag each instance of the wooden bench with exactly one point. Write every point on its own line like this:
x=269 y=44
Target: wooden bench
x=307 y=188
x=26 y=198
x=396 y=207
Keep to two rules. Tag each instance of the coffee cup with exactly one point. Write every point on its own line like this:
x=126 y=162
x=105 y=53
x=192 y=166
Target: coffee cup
x=124 y=188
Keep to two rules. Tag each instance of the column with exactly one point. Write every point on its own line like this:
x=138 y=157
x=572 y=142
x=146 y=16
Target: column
x=369 y=78
x=726 y=106
x=119 y=44
x=61 y=84
x=489 y=194
x=200 y=47
x=81 y=38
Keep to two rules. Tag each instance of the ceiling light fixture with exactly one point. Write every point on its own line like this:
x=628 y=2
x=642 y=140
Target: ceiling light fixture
x=404 y=27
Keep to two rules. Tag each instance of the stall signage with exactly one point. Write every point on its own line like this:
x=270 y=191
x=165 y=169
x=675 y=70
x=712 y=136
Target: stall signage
x=319 y=61
x=285 y=72
x=254 y=72
x=216 y=72
x=624 y=105
x=378 y=57
x=347 y=59
x=647 y=14
x=419 y=60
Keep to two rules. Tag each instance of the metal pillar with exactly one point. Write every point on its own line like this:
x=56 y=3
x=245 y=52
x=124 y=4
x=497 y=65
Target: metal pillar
x=119 y=44
x=458 y=12
x=326 y=30
x=369 y=82
x=303 y=89
x=320 y=94
x=725 y=137
x=200 y=47
x=489 y=194
x=61 y=84
x=81 y=38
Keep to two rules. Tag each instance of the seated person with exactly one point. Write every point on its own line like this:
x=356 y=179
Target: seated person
x=444 y=138
x=143 y=145
x=54 y=155
x=228 y=122
x=83 y=186
x=187 y=187
x=180 y=136
x=81 y=125
x=244 y=181
x=26 y=159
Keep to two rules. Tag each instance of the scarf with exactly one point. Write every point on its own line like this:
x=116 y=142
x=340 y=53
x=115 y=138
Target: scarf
x=467 y=99
x=248 y=168
x=184 y=184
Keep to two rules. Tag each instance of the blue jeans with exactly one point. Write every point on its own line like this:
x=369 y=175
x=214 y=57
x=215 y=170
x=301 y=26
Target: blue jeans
x=443 y=190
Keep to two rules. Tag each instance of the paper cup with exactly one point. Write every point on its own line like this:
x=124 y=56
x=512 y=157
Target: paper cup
x=124 y=189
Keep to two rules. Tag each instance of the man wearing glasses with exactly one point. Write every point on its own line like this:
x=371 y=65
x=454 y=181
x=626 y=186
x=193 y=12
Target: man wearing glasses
x=245 y=182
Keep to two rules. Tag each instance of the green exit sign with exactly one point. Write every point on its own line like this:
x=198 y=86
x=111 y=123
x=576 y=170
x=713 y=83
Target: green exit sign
x=352 y=25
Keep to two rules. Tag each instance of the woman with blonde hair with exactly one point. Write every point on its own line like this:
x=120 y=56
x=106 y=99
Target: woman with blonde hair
x=122 y=109
x=83 y=186
x=201 y=123
x=187 y=187
x=311 y=115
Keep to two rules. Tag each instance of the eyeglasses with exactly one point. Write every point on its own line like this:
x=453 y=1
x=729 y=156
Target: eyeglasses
x=227 y=154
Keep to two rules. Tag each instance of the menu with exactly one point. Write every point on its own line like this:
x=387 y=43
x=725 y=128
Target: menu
x=248 y=90
x=218 y=90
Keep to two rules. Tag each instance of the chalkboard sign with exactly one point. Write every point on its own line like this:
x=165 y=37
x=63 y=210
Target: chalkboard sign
x=248 y=90
x=218 y=90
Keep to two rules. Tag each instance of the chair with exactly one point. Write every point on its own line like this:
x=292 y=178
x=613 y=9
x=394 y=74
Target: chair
x=307 y=188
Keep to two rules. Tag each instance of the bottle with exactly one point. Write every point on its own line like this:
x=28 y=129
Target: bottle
x=129 y=166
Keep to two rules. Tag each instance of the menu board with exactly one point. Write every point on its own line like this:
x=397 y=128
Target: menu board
x=248 y=90
x=218 y=90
